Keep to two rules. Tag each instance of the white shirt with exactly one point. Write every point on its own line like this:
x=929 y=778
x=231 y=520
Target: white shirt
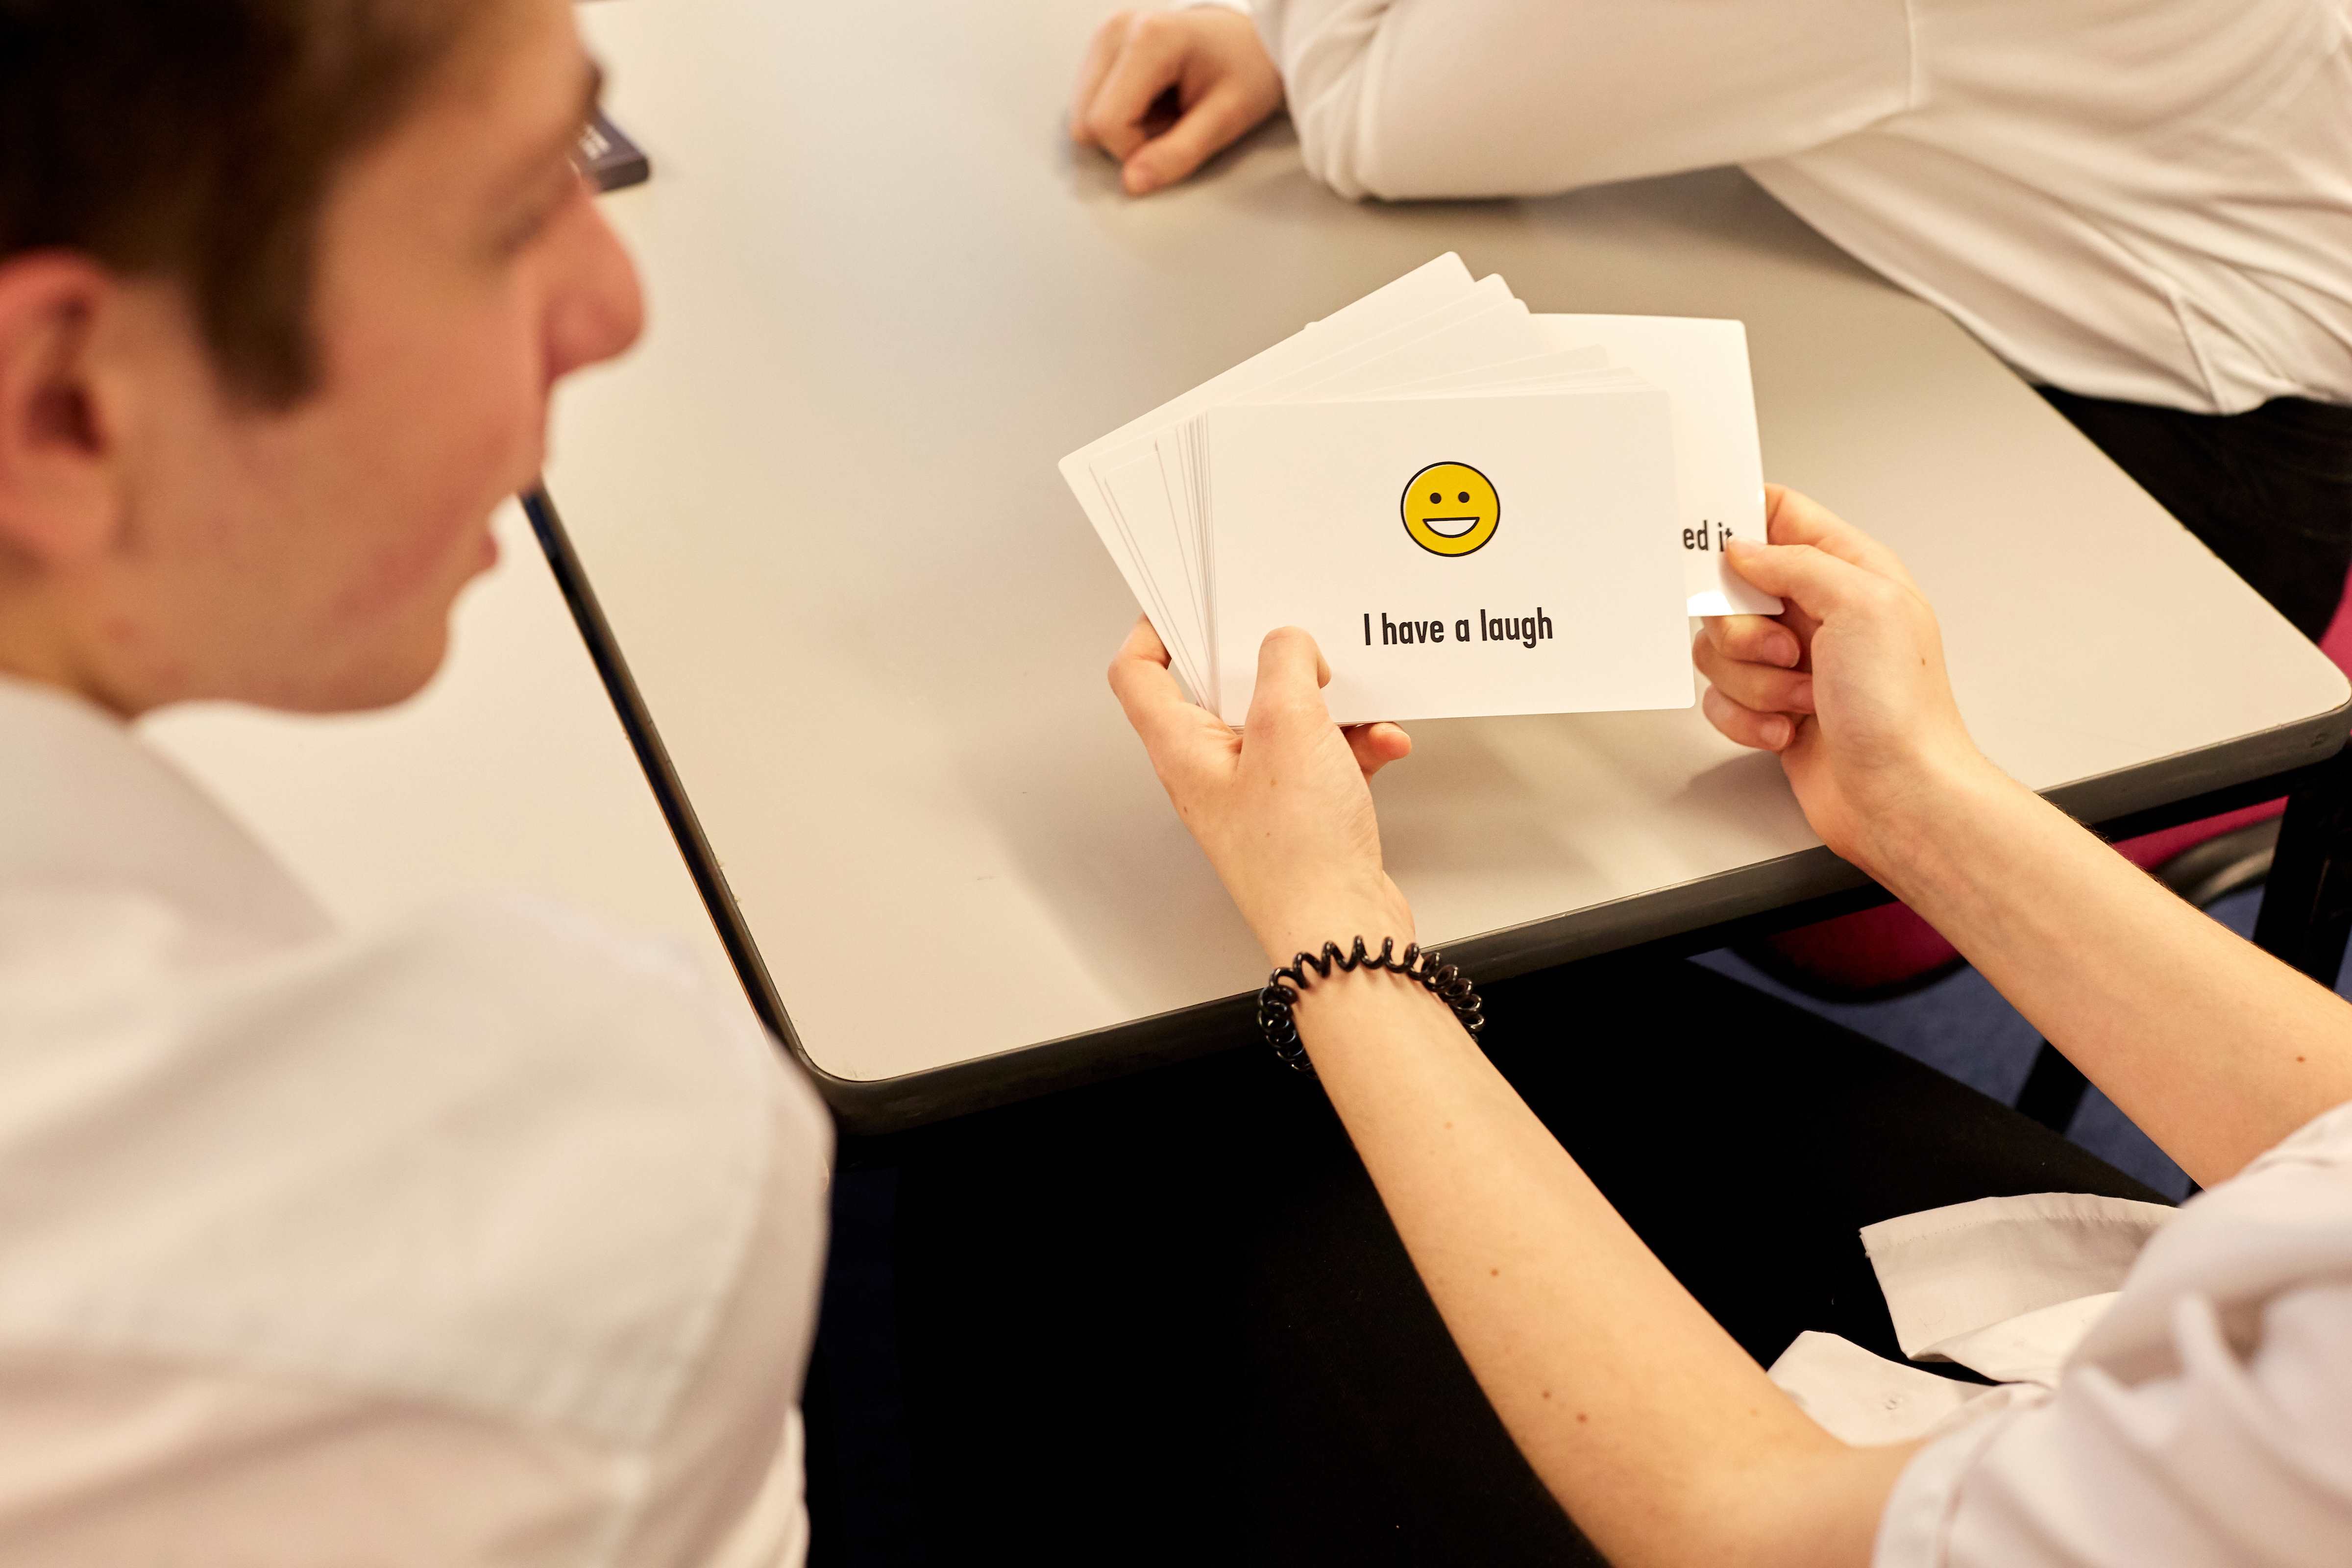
x=2182 y=1380
x=2139 y=199
x=488 y=1237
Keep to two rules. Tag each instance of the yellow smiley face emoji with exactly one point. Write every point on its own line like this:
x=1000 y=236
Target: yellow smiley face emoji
x=1450 y=509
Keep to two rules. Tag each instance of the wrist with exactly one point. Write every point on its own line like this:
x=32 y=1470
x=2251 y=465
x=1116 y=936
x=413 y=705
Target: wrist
x=1328 y=1004
x=1914 y=825
x=1373 y=915
x=1316 y=1006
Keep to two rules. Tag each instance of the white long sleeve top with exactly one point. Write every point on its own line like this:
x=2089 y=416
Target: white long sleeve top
x=2139 y=199
x=489 y=1237
x=2172 y=1386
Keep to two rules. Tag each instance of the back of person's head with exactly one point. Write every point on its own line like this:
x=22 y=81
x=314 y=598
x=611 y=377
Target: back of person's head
x=283 y=287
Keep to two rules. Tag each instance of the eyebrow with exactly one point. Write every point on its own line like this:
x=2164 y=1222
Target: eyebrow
x=591 y=92
x=566 y=146
x=592 y=98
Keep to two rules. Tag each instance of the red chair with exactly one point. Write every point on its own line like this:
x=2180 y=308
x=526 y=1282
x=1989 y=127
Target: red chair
x=1888 y=952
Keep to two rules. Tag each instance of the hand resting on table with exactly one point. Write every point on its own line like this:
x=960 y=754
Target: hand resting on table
x=1164 y=91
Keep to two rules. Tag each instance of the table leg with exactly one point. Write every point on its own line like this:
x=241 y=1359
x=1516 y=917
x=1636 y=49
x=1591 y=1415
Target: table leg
x=2306 y=913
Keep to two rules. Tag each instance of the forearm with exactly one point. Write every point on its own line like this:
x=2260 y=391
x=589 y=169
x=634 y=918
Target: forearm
x=1402 y=98
x=2213 y=1046
x=1663 y=1439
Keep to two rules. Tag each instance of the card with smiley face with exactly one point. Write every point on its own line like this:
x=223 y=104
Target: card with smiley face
x=1154 y=538
x=1162 y=495
x=1452 y=556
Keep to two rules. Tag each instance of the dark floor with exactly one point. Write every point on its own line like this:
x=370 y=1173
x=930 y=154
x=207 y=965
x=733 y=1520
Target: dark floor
x=860 y=1470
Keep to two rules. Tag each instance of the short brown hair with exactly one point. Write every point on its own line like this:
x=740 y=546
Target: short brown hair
x=196 y=141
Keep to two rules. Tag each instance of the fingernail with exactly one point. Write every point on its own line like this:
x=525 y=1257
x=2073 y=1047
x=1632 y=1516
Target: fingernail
x=1777 y=733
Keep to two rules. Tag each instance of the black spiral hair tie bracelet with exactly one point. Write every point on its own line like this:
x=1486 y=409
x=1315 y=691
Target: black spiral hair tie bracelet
x=1445 y=982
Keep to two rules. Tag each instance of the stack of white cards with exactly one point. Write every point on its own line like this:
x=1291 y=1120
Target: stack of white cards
x=1474 y=510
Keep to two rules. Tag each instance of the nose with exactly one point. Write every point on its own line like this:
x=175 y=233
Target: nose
x=598 y=306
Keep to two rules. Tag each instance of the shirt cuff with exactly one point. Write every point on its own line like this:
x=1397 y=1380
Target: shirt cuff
x=2324 y=1140
x=1912 y=1530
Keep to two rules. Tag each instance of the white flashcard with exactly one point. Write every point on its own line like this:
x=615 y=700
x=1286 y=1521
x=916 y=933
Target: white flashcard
x=1415 y=295
x=1493 y=338
x=1139 y=493
x=1487 y=296
x=1472 y=314
x=1719 y=466
x=1510 y=373
x=1453 y=556
x=1407 y=298
x=1220 y=530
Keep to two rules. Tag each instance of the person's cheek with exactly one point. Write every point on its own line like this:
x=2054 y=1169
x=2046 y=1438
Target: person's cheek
x=448 y=460
x=429 y=550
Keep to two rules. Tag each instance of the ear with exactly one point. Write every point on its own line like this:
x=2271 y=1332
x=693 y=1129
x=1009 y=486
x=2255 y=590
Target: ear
x=58 y=481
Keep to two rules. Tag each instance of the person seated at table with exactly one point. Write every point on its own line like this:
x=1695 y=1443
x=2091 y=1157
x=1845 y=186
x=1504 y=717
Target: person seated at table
x=485 y=1236
x=2147 y=209
x=2204 y=1417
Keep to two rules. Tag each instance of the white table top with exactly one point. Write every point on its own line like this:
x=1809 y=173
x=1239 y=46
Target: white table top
x=821 y=508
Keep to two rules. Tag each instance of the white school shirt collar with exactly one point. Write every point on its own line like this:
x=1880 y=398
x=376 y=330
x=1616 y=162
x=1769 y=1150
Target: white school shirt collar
x=83 y=800
x=338 y=1345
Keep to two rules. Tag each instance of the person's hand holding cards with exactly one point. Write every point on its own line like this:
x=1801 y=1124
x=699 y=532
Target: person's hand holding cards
x=1848 y=685
x=1282 y=808
x=1432 y=503
x=1473 y=509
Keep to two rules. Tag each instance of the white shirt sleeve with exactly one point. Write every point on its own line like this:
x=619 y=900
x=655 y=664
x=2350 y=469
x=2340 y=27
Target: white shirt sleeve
x=167 y=1460
x=489 y=1236
x=121 y=1460
x=2206 y=1420
x=1405 y=99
